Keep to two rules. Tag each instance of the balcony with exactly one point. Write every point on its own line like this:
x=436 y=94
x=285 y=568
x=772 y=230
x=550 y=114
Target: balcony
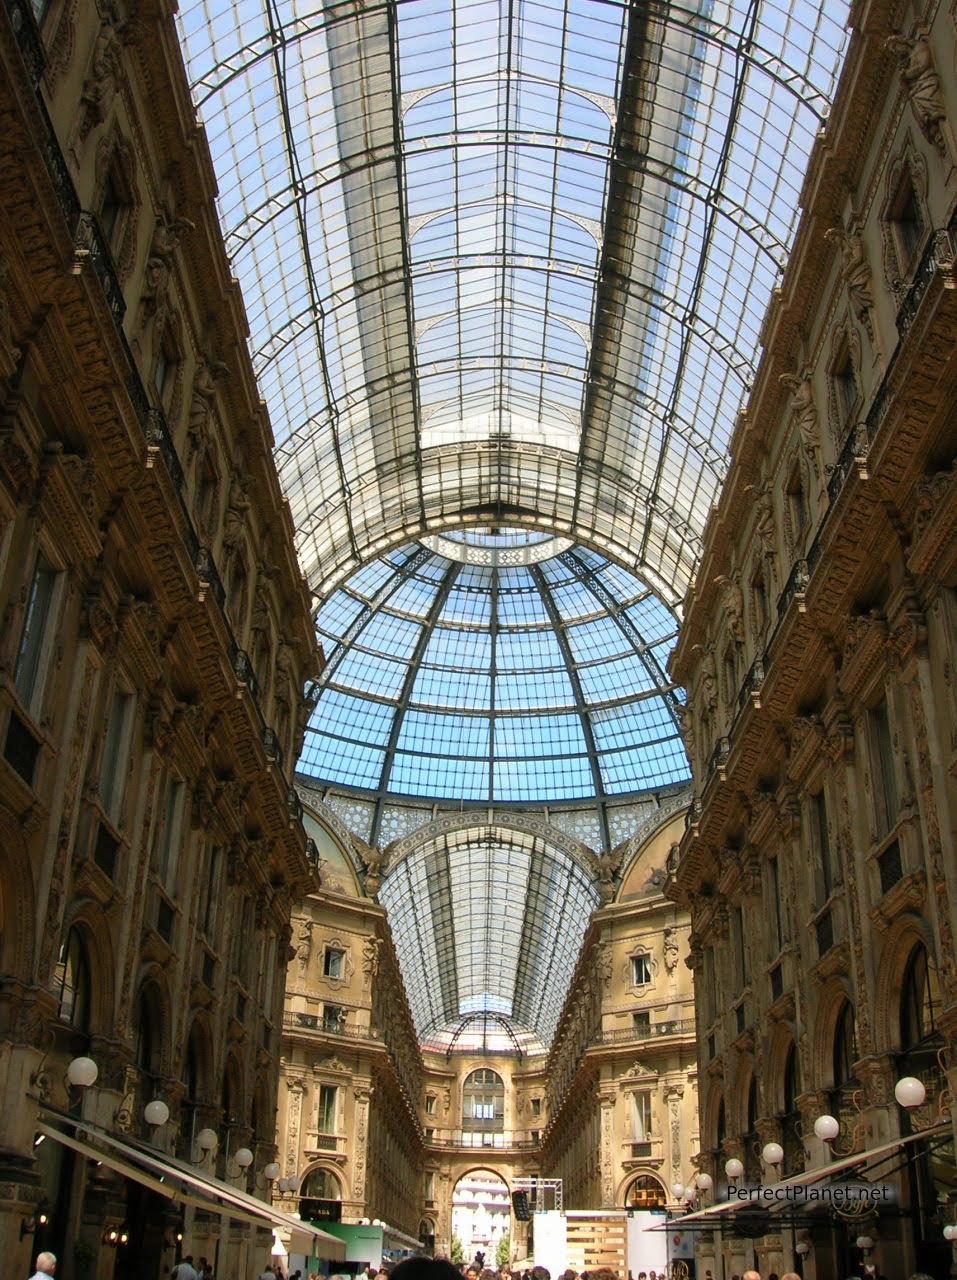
x=476 y=1140
x=631 y=1035
x=341 y=1030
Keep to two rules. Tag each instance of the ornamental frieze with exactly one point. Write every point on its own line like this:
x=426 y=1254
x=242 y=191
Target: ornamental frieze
x=934 y=545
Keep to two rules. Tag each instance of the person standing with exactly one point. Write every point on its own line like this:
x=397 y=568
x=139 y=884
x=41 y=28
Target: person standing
x=46 y=1265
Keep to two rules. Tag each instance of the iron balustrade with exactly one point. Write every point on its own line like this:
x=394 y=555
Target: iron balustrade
x=625 y=1035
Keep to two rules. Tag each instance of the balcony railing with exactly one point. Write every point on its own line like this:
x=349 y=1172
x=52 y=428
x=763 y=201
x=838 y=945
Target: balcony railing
x=467 y=1140
x=314 y=1022
x=625 y=1035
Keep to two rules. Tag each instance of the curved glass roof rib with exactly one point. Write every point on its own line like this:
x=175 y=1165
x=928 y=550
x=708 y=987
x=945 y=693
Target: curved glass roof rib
x=521 y=906
x=508 y=259
x=520 y=680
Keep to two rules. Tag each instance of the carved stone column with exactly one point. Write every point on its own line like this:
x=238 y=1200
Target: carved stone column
x=363 y=1095
x=607 y=1105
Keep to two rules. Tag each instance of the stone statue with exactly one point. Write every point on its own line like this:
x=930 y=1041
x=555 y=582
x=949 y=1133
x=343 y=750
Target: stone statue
x=805 y=415
x=671 y=948
x=733 y=602
x=201 y=405
x=923 y=86
x=764 y=526
x=237 y=504
x=686 y=727
x=856 y=275
x=370 y=955
x=166 y=237
x=102 y=84
x=708 y=676
x=304 y=943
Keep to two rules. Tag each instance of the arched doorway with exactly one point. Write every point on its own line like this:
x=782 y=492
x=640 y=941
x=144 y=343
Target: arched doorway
x=481 y=1215
x=645 y=1192
x=320 y=1196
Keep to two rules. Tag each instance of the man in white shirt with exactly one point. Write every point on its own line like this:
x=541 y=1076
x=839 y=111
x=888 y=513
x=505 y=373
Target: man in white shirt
x=184 y=1270
x=46 y=1265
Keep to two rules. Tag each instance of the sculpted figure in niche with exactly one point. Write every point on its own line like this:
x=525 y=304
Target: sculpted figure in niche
x=237 y=504
x=708 y=676
x=304 y=943
x=923 y=86
x=166 y=236
x=856 y=275
x=733 y=602
x=370 y=955
x=671 y=948
x=764 y=527
x=805 y=415
x=101 y=86
x=201 y=406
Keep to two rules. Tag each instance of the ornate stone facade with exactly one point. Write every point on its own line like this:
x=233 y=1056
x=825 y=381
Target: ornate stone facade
x=150 y=850
x=819 y=862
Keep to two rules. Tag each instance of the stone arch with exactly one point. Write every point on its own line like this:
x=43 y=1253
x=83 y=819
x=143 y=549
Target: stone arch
x=233 y=1093
x=330 y=1171
x=736 y=1114
x=834 y=995
x=482 y=1168
x=906 y=933
x=710 y=1112
x=633 y=1176
x=92 y=927
x=17 y=902
x=152 y=1002
x=463 y=824
x=780 y=1044
x=263 y=1117
x=199 y=1045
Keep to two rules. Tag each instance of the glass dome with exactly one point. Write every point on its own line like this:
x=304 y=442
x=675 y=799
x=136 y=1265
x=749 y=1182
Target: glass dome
x=522 y=680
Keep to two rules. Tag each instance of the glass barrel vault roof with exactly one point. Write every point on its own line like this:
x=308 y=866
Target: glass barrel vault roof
x=500 y=682
x=508 y=259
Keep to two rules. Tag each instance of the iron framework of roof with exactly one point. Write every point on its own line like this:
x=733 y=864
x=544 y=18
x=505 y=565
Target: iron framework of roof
x=508 y=260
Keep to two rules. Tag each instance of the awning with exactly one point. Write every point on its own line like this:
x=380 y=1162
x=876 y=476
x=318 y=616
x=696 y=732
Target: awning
x=177 y=1180
x=810 y=1176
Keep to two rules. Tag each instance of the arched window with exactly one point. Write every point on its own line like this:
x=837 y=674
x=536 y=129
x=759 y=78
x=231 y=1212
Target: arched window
x=918 y=1005
x=146 y=1036
x=483 y=1107
x=72 y=981
x=320 y=1184
x=720 y=1129
x=845 y=1046
x=791 y=1117
x=752 y=1165
x=645 y=1193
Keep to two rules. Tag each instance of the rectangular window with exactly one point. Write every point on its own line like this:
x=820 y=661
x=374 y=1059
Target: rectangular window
x=333 y=962
x=641 y=1023
x=168 y=833
x=709 y=995
x=776 y=932
x=641 y=1115
x=883 y=770
x=640 y=970
x=536 y=1106
x=740 y=947
x=209 y=897
x=429 y=1185
x=822 y=840
x=333 y=1017
x=36 y=641
x=113 y=760
x=328 y=1107
x=430 y=1104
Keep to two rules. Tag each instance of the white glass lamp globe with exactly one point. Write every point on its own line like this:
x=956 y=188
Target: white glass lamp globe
x=826 y=1127
x=909 y=1092
x=733 y=1168
x=156 y=1112
x=803 y=1248
x=82 y=1072
x=283 y=1185
x=271 y=1171
x=950 y=1231
x=864 y=1242
x=705 y=1181
x=243 y=1157
x=772 y=1153
x=206 y=1139
x=677 y=1190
